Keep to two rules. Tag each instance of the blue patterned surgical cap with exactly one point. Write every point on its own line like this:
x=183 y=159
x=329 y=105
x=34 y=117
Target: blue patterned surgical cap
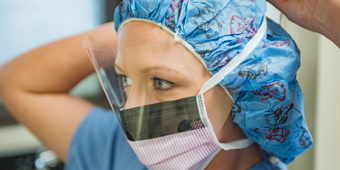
x=268 y=99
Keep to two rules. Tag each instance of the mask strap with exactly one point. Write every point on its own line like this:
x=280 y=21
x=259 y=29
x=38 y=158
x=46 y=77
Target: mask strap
x=218 y=77
x=239 y=144
x=250 y=46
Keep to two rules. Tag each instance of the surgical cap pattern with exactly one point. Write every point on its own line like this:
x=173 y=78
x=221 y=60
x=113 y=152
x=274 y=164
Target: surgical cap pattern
x=268 y=99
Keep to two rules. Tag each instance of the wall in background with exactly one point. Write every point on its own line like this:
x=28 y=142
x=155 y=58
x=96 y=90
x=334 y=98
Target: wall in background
x=327 y=138
x=31 y=23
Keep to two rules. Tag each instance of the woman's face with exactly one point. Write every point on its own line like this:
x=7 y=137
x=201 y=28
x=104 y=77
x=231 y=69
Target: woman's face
x=156 y=69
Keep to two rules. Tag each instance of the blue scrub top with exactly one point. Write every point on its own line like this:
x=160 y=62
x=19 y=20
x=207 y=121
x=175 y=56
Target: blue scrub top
x=99 y=143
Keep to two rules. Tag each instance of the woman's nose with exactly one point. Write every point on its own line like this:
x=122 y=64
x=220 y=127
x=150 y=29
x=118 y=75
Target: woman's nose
x=135 y=99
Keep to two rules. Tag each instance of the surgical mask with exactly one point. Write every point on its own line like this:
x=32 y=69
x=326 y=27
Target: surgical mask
x=172 y=134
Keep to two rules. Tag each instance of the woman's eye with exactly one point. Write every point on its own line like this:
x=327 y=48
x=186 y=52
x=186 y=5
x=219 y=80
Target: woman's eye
x=160 y=84
x=126 y=81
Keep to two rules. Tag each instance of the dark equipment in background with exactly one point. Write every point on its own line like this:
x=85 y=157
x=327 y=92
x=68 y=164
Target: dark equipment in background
x=41 y=160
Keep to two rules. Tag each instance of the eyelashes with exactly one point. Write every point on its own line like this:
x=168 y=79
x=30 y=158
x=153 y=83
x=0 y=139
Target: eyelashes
x=126 y=80
x=157 y=83
x=161 y=84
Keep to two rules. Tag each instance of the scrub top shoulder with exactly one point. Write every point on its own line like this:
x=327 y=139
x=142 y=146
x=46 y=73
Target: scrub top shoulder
x=99 y=143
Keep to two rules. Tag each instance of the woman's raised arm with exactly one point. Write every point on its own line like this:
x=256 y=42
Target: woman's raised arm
x=34 y=88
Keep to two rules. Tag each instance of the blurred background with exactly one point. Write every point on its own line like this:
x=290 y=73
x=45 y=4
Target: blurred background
x=25 y=25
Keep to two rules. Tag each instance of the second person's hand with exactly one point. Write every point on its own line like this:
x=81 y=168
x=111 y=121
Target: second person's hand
x=320 y=16
x=306 y=13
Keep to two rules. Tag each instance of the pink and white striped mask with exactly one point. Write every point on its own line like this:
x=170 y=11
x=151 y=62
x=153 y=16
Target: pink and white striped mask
x=186 y=150
x=193 y=149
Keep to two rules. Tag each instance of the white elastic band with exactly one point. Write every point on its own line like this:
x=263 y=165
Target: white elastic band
x=177 y=37
x=239 y=144
x=243 y=143
x=250 y=46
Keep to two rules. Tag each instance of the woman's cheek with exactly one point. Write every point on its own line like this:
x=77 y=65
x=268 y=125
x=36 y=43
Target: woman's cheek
x=218 y=105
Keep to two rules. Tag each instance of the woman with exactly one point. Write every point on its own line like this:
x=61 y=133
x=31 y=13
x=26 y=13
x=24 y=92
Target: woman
x=99 y=133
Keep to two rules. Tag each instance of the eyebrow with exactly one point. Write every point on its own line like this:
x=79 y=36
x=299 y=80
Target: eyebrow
x=149 y=69
x=116 y=66
x=180 y=77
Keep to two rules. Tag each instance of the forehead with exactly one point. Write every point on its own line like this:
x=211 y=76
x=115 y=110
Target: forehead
x=146 y=44
x=136 y=33
x=153 y=55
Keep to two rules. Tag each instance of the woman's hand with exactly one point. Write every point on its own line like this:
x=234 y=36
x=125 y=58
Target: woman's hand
x=321 y=16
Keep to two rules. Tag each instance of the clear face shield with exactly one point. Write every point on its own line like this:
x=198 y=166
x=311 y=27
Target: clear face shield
x=153 y=89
